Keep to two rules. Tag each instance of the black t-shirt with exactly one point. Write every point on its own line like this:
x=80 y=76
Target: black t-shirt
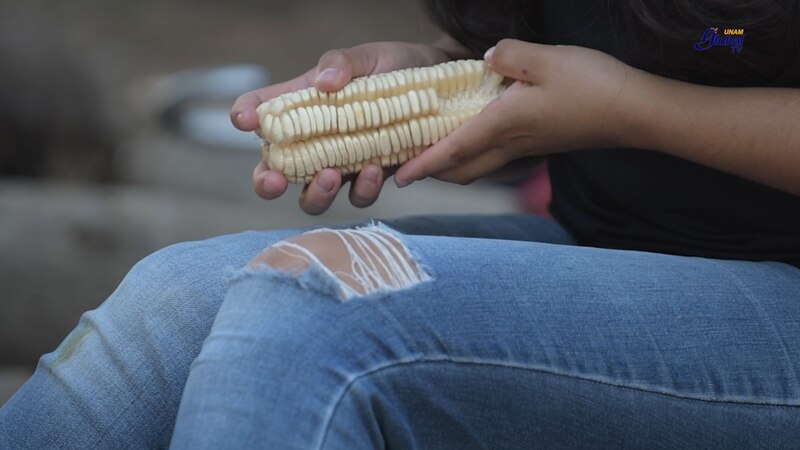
x=644 y=200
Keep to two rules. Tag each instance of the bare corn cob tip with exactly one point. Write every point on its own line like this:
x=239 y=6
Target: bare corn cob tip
x=393 y=116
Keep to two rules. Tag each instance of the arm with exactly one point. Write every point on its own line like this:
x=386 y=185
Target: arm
x=750 y=132
x=572 y=98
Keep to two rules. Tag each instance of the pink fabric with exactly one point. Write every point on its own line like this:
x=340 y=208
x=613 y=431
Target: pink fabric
x=535 y=194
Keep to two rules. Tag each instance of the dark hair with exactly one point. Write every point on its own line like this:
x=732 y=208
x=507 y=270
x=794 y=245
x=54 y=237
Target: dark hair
x=654 y=35
x=478 y=25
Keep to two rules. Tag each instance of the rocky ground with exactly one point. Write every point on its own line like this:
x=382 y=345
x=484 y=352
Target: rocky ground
x=91 y=178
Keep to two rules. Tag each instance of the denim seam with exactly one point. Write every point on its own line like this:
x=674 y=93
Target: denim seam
x=501 y=364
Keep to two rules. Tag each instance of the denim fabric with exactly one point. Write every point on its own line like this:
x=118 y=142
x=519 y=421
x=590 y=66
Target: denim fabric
x=519 y=340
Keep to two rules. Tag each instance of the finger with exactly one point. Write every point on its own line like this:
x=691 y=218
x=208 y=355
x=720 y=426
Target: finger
x=517 y=59
x=319 y=195
x=463 y=144
x=474 y=169
x=337 y=67
x=267 y=183
x=366 y=188
x=243 y=111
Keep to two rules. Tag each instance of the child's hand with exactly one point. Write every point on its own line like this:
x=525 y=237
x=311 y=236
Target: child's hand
x=565 y=98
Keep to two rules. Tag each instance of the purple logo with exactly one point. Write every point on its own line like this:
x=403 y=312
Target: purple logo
x=730 y=37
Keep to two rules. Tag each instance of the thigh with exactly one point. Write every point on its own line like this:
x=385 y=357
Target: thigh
x=574 y=347
x=510 y=344
x=118 y=377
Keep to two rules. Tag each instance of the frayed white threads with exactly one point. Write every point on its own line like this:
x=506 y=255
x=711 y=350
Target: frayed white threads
x=379 y=261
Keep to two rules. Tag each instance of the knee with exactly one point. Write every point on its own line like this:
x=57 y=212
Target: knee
x=197 y=264
x=186 y=277
x=362 y=261
x=177 y=268
x=168 y=294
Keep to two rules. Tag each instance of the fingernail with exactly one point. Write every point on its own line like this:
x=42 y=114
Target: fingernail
x=402 y=183
x=325 y=184
x=328 y=75
x=488 y=55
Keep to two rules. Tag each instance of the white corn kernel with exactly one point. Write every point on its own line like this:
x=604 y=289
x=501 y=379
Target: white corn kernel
x=392 y=117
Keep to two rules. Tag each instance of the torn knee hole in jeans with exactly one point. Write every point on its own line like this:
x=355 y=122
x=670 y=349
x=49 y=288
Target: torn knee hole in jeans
x=362 y=261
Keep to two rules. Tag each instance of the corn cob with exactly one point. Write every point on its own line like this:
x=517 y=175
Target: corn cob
x=393 y=116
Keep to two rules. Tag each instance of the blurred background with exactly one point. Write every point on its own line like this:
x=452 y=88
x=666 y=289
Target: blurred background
x=115 y=141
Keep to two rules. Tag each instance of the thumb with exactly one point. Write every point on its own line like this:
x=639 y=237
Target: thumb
x=337 y=67
x=518 y=59
x=468 y=141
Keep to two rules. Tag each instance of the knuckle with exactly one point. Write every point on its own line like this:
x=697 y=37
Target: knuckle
x=333 y=57
x=459 y=154
x=502 y=51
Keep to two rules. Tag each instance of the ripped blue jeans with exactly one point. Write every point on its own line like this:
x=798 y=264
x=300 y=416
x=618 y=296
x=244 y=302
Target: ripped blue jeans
x=505 y=335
